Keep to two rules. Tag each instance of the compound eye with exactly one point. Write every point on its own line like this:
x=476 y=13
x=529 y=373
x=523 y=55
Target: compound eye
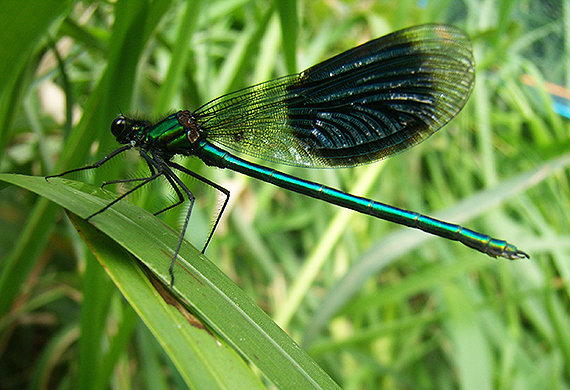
x=119 y=127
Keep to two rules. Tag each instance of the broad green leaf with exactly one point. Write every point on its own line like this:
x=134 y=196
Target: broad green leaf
x=199 y=284
x=203 y=361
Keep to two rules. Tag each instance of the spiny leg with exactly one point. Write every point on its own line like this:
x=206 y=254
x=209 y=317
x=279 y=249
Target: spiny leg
x=94 y=165
x=218 y=187
x=151 y=168
x=153 y=171
x=157 y=163
x=156 y=170
x=122 y=181
x=178 y=193
x=175 y=180
x=144 y=181
x=178 y=185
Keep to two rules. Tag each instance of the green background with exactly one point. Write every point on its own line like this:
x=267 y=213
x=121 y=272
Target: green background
x=376 y=305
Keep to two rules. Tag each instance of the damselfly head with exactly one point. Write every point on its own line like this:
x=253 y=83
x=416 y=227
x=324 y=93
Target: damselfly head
x=126 y=129
x=121 y=129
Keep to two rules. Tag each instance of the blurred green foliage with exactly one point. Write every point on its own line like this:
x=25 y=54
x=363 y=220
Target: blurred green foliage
x=376 y=306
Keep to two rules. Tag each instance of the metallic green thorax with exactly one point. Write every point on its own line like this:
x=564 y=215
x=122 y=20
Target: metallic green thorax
x=169 y=135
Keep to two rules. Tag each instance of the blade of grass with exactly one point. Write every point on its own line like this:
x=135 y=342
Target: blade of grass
x=214 y=298
x=202 y=361
x=289 y=27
